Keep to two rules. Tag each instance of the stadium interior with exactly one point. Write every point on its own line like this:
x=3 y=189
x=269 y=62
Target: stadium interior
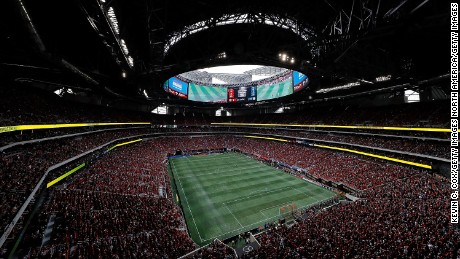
x=225 y=129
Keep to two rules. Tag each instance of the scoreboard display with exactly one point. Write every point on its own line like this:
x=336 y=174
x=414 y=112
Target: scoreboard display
x=178 y=87
x=242 y=94
x=300 y=81
x=287 y=84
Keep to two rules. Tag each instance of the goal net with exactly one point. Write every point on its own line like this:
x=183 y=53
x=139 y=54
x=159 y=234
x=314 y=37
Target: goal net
x=288 y=210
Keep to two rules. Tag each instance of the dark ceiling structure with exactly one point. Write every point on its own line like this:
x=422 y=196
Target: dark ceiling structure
x=125 y=50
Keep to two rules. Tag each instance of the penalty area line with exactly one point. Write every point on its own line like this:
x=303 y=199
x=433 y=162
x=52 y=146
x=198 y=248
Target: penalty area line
x=233 y=215
x=188 y=205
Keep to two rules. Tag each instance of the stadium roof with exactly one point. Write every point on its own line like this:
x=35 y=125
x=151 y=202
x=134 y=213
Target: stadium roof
x=125 y=50
x=234 y=74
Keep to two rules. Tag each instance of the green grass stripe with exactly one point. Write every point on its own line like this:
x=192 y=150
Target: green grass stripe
x=226 y=194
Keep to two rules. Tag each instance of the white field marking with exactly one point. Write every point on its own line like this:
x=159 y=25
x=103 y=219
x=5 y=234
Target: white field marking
x=304 y=193
x=264 y=220
x=197 y=162
x=228 y=156
x=213 y=167
x=232 y=214
x=223 y=163
x=250 y=196
x=263 y=214
x=201 y=158
x=279 y=205
x=188 y=205
x=222 y=171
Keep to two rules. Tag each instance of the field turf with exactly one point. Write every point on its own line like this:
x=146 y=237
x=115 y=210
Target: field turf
x=223 y=195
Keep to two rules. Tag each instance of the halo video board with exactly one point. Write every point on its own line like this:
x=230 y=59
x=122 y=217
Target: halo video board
x=178 y=87
x=242 y=94
x=208 y=94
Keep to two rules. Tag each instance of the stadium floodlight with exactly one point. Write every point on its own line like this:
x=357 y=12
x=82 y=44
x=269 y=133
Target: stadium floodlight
x=365 y=81
x=123 y=74
x=59 y=92
x=161 y=109
x=383 y=78
x=124 y=47
x=341 y=87
x=130 y=61
x=113 y=20
x=222 y=55
x=292 y=60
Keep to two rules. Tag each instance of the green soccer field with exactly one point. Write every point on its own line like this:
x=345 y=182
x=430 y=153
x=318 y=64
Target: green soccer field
x=223 y=195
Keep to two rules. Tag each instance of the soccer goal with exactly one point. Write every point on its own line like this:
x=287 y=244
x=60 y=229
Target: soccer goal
x=288 y=210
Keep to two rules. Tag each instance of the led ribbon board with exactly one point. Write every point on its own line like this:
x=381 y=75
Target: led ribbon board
x=353 y=151
x=268 y=138
x=73 y=125
x=53 y=182
x=125 y=143
x=331 y=126
x=376 y=156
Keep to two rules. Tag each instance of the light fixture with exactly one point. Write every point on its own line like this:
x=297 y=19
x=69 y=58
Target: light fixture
x=383 y=78
x=341 y=87
x=113 y=20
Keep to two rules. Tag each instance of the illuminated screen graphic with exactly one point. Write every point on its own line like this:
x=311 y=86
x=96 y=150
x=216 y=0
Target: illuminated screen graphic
x=178 y=87
x=276 y=90
x=236 y=84
x=298 y=77
x=242 y=94
x=209 y=94
x=300 y=81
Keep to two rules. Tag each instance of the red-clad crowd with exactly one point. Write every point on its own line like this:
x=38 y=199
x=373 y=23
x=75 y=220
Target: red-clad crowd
x=122 y=205
x=408 y=218
x=353 y=171
x=115 y=209
x=21 y=168
x=215 y=250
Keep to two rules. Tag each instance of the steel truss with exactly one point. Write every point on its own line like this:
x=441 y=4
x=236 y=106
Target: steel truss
x=284 y=22
x=96 y=13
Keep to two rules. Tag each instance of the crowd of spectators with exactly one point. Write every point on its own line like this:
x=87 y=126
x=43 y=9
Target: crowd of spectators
x=116 y=208
x=426 y=147
x=21 y=168
x=123 y=206
x=353 y=171
x=427 y=114
x=215 y=250
x=407 y=218
x=20 y=136
x=32 y=106
x=26 y=105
